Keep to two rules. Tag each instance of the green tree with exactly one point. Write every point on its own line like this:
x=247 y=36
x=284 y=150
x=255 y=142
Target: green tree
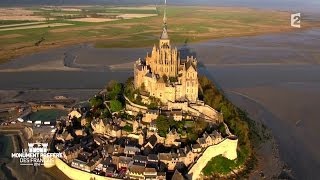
x=115 y=106
x=115 y=91
x=162 y=125
x=129 y=90
x=105 y=114
x=110 y=85
x=127 y=128
x=96 y=101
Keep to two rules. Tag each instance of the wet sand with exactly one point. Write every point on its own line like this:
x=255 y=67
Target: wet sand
x=288 y=106
x=275 y=78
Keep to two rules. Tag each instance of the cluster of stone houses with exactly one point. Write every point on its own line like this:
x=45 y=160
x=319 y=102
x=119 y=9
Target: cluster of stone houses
x=139 y=154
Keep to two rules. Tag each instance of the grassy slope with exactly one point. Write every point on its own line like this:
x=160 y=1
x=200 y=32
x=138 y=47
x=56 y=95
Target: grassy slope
x=185 y=24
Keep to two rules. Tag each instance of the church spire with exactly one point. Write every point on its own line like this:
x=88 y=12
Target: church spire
x=164 y=34
x=165 y=15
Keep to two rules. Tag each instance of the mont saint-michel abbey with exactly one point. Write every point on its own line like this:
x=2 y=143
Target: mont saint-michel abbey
x=164 y=75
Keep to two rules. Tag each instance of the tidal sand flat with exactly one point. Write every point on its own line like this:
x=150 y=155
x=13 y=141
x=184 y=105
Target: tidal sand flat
x=286 y=98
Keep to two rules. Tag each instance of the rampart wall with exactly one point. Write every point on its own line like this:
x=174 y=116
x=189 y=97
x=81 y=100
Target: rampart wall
x=73 y=173
x=135 y=107
x=227 y=148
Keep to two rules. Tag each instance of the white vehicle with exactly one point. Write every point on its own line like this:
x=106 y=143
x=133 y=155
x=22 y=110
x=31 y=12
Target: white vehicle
x=29 y=122
x=47 y=123
x=37 y=122
x=20 y=119
x=13 y=122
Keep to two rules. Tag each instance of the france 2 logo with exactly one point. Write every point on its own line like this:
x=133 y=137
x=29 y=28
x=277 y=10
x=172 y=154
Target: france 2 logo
x=296 y=20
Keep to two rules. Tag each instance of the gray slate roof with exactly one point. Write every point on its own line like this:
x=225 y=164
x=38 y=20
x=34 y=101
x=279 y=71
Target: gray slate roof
x=164 y=34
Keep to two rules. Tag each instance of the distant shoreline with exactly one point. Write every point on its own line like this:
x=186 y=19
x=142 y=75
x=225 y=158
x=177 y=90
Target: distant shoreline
x=31 y=50
x=206 y=23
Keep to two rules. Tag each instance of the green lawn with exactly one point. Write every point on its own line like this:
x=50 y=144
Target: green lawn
x=222 y=165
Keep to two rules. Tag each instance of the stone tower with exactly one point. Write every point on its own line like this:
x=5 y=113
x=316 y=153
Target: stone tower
x=162 y=74
x=164 y=60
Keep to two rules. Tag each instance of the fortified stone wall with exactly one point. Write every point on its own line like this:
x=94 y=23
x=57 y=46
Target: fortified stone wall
x=135 y=107
x=73 y=173
x=227 y=148
x=206 y=110
x=196 y=109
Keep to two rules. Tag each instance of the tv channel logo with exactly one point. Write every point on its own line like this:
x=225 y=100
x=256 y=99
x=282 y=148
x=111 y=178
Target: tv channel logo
x=296 y=20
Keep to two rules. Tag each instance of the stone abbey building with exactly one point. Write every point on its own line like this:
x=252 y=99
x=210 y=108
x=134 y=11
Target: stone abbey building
x=162 y=74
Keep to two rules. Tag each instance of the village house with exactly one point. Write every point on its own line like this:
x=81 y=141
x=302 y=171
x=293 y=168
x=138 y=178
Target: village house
x=169 y=159
x=131 y=150
x=71 y=153
x=186 y=155
x=152 y=141
x=209 y=139
x=152 y=158
x=99 y=141
x=150 y=174
x=161 y=175
x=110 y=170
x=140 y=159
x=100 y=126
x=115 y=131
x=177 y=176
x=87 y=166
x=196 y=148
x=150 y=115
x=171 y=138
x=80 y=132
x=124 y=162
x=74 y=114
x=136 y=172
x=104 y=164
x=176 y=114
x=64 y=136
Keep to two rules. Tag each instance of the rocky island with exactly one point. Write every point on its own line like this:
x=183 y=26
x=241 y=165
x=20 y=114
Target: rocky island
x=165 y=122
